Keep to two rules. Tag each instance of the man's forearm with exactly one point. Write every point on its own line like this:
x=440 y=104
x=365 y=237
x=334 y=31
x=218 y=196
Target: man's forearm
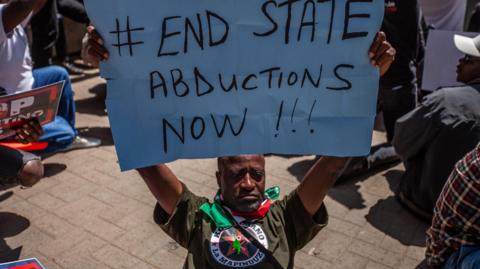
x=17 y=11
x=163 y=184
x=318 y=181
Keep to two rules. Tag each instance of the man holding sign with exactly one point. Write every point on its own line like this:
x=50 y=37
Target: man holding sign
x=242 y=227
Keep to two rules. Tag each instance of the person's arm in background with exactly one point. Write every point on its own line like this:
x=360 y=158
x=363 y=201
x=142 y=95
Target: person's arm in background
x=16 y=11
x=321 y=177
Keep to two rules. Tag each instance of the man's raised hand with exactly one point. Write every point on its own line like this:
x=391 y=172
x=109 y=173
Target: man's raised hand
x=93 y=50
x=381 y=53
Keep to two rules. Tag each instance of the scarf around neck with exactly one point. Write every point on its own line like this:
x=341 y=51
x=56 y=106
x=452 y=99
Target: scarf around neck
x=216 y=210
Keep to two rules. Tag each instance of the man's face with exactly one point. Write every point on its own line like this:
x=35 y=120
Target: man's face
x=242 y=181
x=468 y=69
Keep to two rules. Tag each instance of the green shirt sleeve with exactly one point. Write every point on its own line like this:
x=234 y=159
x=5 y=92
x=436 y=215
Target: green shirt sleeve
x=182 y=223
x=300 y=226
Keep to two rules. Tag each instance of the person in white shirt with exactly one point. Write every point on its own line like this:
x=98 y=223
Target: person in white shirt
x=17 y=75
x=444 y=14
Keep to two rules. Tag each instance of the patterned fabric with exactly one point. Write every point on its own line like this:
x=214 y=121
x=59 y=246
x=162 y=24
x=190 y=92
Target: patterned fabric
x=456 y=220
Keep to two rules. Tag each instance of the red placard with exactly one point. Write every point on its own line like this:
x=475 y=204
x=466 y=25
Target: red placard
x=41 y=103
x=23 y=264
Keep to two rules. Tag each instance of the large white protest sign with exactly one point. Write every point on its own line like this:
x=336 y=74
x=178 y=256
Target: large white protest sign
x=205 y=78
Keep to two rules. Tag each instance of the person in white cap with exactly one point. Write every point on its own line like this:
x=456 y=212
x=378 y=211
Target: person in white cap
x=434 y=136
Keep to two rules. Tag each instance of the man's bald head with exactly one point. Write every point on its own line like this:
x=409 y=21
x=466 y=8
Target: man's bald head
x=222 y=161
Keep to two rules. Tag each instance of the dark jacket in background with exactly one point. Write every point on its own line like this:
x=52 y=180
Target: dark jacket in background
x=474 y=24
x=401 y=24
x=431 y=139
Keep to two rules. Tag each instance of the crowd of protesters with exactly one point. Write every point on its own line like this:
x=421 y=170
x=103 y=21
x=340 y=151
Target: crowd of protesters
x=432 y=133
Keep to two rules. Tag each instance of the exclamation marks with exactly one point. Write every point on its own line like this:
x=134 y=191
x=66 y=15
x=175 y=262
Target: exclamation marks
x=280 y=112
x=310 y=116
x=293 y=113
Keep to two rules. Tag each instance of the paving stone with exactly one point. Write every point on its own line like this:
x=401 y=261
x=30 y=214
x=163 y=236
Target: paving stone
x=46 y=201
x=52 y=247
x=101 y=228
x=44 y=184
x=72 y=190
x=329 y=245
x=80 y=256
x=379 y=255
x=374 y=265
x=350 y=260
x=9 y=199
x=116 y=258
x=83 y=208
x=54 y=226
x=393 y=245
x=143 y=241
x=344 y=227
x=415 y=252
x=370 y=234
x=304 y=261
x=143 y=214
x=409 y=263
x=165 y=259
x=28 y=240
x=27 y=210
x=47 y=262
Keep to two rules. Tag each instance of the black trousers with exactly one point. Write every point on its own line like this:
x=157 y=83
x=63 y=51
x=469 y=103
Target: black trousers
x=474 y=24
x=47 y=30
x=395 y=102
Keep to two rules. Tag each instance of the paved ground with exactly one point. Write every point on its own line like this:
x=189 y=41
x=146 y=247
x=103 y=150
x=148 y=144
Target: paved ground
x=86 y=214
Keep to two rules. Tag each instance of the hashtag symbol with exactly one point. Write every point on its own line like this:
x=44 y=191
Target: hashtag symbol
x=129 y=42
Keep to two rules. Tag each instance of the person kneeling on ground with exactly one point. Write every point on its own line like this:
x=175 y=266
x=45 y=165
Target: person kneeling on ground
x=438 y=133
x=453 y=240
x=16 y=75
x=242 y=226
x=20 y=166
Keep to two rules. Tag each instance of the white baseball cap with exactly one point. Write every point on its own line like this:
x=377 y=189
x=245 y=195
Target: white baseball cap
x=468 y=45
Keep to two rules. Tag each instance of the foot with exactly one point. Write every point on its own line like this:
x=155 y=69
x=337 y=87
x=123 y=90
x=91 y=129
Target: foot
x=382 y=156
x=31 y=173
x=81 y=142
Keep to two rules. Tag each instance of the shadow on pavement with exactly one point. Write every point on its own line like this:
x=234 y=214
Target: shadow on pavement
x=299 y=169
x=94 y=105
x=422 y=265
x=52 y=169
x=5 y=196
x=388 y=216
x=11 y=225
x=347 y=192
